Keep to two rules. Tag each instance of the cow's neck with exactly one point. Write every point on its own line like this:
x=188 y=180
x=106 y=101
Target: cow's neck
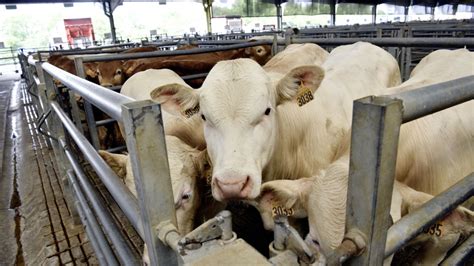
x=327 y=204
x=305 y=142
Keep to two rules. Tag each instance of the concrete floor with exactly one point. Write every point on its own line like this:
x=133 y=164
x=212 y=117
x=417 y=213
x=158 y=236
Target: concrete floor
x=36 y=226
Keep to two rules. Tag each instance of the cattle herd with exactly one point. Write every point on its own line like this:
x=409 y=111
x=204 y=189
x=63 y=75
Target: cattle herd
x=274 y=132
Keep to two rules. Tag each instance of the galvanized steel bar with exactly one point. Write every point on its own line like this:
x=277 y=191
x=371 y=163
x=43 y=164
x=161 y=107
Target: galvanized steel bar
x=194 y=76
x=91 y=222
x=375 y=125
x=412 y=224
x=76 y=117
x=92 y=48
x=462 y=253
x=401 y=42
x=433 y=98
x=122 y=195
x=147 y=150
x=90 y=234
x=88 y=109
x=106 y=100
x=124 y=253
x=97 y=58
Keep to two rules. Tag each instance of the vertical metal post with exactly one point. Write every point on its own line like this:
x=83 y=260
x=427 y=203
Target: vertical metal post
x=407 y=8
x=374 y=14
x=279 y=15
x=208 y=9
x=146 y=145
x=88 y=109
x=57 y=130
x=375 y=125
x=108 y=12
x=332 y=8
x=76 y=116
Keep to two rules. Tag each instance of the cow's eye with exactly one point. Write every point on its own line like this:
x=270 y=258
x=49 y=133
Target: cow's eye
x=119 y=71
x=186 y=196
x=203 y=117
x=267 y=112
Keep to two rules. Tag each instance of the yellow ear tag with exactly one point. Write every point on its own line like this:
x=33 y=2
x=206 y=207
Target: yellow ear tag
x=304 y=95
x=435 y=230
x=282 y=211
x=191 y=111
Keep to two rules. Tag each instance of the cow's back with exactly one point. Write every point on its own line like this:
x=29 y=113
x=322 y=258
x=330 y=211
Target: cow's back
x=352 y=72
x=296 y=55
x=437 y=150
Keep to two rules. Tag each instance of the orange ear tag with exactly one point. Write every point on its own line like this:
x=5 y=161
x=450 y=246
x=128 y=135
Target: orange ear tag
x=304 y=95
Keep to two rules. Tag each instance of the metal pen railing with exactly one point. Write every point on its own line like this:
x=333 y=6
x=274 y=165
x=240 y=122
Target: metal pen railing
x=143 y=219
x=375 y=132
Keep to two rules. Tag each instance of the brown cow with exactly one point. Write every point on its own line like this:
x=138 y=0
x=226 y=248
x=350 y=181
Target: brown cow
x=111 y=73
x=197 y=63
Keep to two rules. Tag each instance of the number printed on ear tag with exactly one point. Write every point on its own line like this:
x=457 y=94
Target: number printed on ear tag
x=191 y=111
x=304 y=95
x=436 y=229
x=282 y=211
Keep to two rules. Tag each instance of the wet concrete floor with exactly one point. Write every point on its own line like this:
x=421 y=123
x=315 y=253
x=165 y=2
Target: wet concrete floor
x=36 y=226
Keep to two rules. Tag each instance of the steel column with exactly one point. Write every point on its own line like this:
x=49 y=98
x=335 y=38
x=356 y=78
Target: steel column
x=147 y=149
x=375 y=125
x=78 y=62
x=208 y=9
x=279 y=15
x=109 y=13
x=332 y=11
x=374 y=14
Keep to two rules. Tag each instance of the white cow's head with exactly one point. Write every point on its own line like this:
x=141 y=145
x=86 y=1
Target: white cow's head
x=188 y=167
x=238 y=103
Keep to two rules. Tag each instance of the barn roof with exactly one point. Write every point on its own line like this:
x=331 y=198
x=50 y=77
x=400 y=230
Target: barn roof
x=431 y=3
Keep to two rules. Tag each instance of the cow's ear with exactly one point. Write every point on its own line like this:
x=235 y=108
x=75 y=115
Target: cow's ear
x=130 y=66
x=295 y=83
x=177 y=99
x=285 y=194
x=461 y=219
x=117 y=162
x=90 y=69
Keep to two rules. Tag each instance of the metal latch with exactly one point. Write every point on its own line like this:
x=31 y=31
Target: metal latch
x=218 y=227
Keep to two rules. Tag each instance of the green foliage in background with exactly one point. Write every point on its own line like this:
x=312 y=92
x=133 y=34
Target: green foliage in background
x=305 y=8
x=245 y=8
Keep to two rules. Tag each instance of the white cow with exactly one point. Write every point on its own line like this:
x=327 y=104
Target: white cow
x=434 y=152
x=139 y=87
x=254 y=129
x=188 y=167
